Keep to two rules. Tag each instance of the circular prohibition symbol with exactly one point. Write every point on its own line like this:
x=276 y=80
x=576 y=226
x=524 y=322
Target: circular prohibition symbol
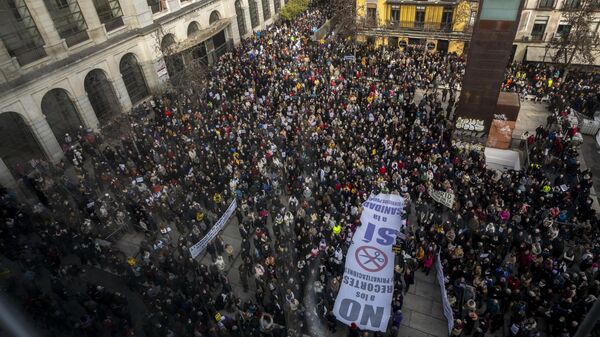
x=370 y=258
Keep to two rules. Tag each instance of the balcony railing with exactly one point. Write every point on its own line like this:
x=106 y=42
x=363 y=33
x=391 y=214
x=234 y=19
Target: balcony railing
x=410 y=25
x=536 y=37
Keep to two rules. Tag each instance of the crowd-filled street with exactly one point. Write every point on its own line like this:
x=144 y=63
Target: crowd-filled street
x=300 y=136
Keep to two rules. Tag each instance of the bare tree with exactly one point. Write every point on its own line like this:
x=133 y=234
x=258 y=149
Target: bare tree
x=189 y=76
x=345 y=17
x=580 y=42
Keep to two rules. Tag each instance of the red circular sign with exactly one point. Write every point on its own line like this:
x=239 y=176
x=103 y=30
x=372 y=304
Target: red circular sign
x=370 y=258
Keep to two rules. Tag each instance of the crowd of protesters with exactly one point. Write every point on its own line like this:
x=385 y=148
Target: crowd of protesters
x=300 y=135
x=546 y=82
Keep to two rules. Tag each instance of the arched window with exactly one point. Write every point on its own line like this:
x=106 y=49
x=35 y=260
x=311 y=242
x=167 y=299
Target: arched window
x=241 y=19
x=18 y=144
x=193 y=28
x=101 y=95
x=133 y=78
x=214 y=17
x=254 y=19
x=60 y=113
x=266 y=9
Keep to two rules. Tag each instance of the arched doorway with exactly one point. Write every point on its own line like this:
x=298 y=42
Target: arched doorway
x=214 y=17
x=133 y=78
x=101 y=95
x=193 y=29
x=61 y=114
x=241 y=19
x=18 y=144
x=173 y=61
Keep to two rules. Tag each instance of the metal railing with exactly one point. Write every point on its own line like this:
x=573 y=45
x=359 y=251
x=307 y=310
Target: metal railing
x=446 y=27
x=537 y=37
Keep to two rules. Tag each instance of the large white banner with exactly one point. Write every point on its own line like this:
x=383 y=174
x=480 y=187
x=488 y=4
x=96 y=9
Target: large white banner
x=200 y=246
x=367 y=288
x=447 y=308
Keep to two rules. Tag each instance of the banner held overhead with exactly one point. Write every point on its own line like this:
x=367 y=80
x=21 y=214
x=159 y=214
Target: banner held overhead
x=367 y=288
x=200 y=246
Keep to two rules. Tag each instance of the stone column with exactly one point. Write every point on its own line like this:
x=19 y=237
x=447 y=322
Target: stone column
x=261 y=16
x=6 y=178
x=173 y=5
x=150 y=75
x=272 y=6
x=9 y=67
x=86 y=111
x=121 y=92
x=136 y=13
x=46 y=138
x=53 y=43
x=95 y=27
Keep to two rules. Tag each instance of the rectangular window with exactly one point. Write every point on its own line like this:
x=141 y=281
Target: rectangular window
x=571 y=4
x=563 y=29
x=371 y=15
x=546 y=4
x=266 y=9
x=254 y=19
x=420 y=17
x=19 y=32
x=395 y=15
x=539 y=28
x=157 y=5
x=447 y=17
x=68 y=20
x=109 y=13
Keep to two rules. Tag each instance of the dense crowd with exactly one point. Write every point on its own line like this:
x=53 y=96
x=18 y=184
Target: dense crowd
x=546 y=82
x=300 y=136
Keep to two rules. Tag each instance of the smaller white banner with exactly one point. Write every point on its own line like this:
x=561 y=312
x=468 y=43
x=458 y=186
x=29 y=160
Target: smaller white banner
x=199 y=247
x=444 y=198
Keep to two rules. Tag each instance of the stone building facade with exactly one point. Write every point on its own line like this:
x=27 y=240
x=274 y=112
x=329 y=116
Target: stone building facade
x=66 y=64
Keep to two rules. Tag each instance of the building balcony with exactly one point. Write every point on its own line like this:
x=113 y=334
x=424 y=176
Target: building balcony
x=533 y=37
x=411 y=26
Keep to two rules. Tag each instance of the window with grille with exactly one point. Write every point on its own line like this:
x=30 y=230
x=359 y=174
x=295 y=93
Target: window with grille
x=68 y=20
x=19 y=32
x=395 y=15
x=254 y=20
x=266 y=9
x=420 y=17
x=447 y=16
x=539 y=28
x=571 y=4
x=241 y=19
x=156 y=5
x=109 y=13
x=546 y=4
